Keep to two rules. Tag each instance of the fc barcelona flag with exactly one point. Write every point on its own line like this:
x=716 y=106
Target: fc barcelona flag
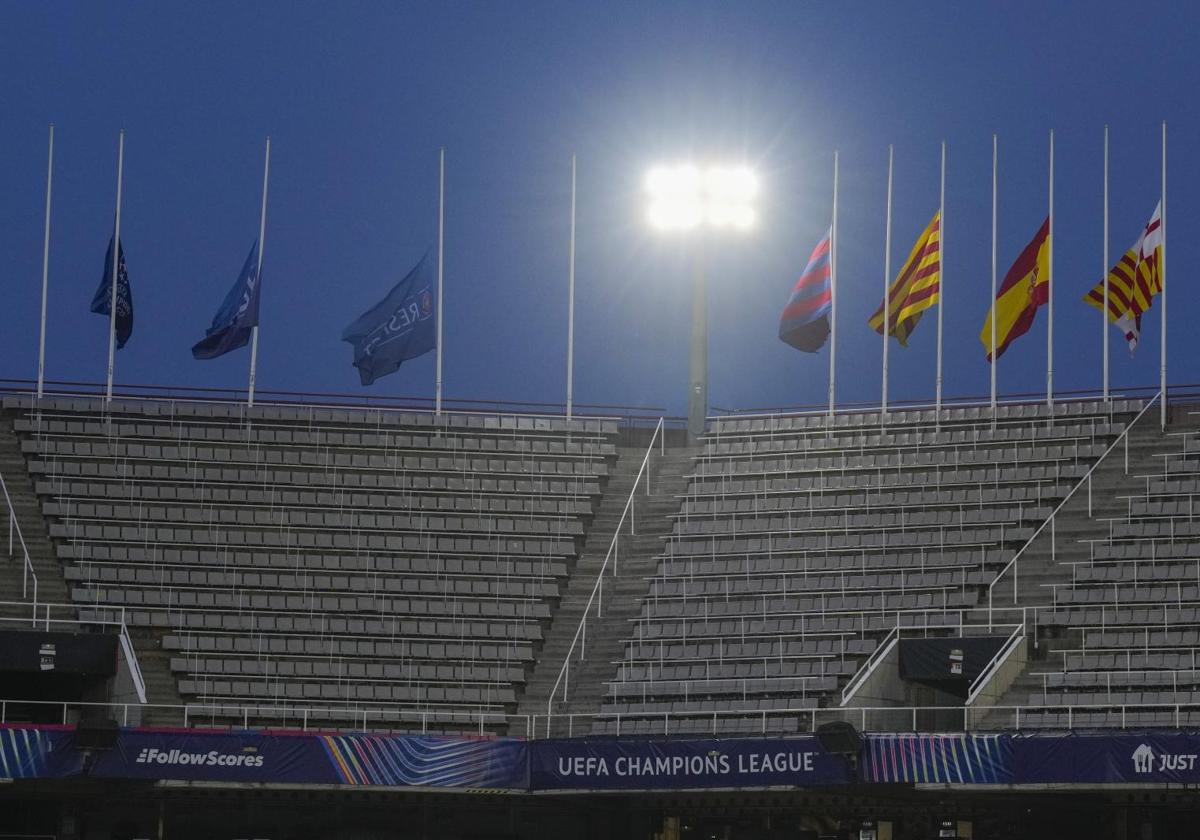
x=805 y=320
x=1025 y=288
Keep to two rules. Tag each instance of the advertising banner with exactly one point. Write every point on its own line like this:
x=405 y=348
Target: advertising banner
x=253 y=756
x=606 y=764
x=1157 y=758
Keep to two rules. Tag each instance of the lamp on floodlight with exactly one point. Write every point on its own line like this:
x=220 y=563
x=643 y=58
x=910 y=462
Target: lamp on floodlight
x=685 y=198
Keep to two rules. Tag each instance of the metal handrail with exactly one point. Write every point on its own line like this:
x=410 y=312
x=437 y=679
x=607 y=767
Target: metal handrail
x=596 y=595
x=28 y=571
x=893 y=638
x=206 y=714
x=333 y=400
x=873 y=661
x=135 y=667
x=1049 y=521
x=999 y=658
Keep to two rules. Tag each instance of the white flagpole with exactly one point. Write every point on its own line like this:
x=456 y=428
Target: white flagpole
x=941 y=285
x=1050 y=291
x=1162 y=276
x=887 y=274
x=262 y=244
x=995 y=361
x=437 y=384
x=45 y=269
x=116 y=261
x=1104 y=310
x=833 y=238
x=571 y=302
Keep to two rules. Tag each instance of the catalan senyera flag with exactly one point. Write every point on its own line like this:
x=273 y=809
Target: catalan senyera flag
x=1133 y=282
x=804 y=323
x=1026 y=287
x=917 y=287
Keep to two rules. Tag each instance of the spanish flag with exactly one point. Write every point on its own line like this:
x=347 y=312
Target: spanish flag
x=1025 y=288
x=916 y=288
x=1133 y=282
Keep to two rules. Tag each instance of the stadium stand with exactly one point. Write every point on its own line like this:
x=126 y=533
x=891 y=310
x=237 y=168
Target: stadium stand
x=331 y=559
x=799 y=545
x=321 y=565
x=1123 y=625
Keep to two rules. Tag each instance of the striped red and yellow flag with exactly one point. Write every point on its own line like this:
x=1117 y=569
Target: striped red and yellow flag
x=1026 y=287
x=1133 y=282
x=917 y=287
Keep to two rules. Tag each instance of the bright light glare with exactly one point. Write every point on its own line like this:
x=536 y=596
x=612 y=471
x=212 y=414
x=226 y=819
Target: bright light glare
x=683 y=197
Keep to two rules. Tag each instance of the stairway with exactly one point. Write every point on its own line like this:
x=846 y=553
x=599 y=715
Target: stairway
x=52 y=586
x=622 y=594
x=1046 y=564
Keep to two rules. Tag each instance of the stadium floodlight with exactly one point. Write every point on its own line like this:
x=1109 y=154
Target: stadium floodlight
x=684 y=197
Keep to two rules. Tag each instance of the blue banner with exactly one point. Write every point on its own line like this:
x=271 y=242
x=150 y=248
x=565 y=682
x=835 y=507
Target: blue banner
x=960 y=758
x=510 y=764
x=235 y=321
x=1157 y=758
x=250 y=756
x=655 y=765
x=102 y=300
x=400 y=327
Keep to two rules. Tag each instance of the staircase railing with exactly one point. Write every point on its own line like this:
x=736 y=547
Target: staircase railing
x=984 y=678
x=597 y=597
x=27 y=573
x=1011 y=565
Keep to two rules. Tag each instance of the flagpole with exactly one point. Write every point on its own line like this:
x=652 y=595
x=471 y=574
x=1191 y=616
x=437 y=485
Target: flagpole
x=1104 y=310
x=1162 y=279
x=1050 y=291
x=262 y=244
x=995 y=361
x=112 y=305
x=41 y=376
x=941 y=285
x=571 y=301
x=887 y=273
x=437 y=384
x=833 y=238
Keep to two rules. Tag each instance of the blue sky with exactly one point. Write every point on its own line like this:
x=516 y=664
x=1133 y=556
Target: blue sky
x=359 y=96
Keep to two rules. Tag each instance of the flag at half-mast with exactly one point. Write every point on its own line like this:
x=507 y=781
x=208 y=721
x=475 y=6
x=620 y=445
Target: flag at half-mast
x=102 y=300
x=1026 y=286
x=1133 y=282
x=916 y=288
x=805 y=320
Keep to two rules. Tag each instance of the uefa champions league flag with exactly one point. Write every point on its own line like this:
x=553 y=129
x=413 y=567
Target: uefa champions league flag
x=102 y=301
x=400 y=327
x=238 y=315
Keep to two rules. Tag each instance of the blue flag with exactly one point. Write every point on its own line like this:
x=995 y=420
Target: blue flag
x=238 y=316
x=102 y=301
x=401 y=326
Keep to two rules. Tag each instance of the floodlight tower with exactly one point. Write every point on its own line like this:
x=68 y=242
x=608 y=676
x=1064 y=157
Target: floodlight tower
x=686 y=199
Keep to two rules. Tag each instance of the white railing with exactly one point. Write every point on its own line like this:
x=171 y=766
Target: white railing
x=46 y=622
x=27 y=573
x=993 y=666
x=1011 y=565
x=597 y=595
x=873 y=661
x=782 y=721
x=135 y=667
x=894 y=635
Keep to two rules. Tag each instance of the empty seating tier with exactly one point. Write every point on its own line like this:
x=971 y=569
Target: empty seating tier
x=329 y=558
x=800 y=543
